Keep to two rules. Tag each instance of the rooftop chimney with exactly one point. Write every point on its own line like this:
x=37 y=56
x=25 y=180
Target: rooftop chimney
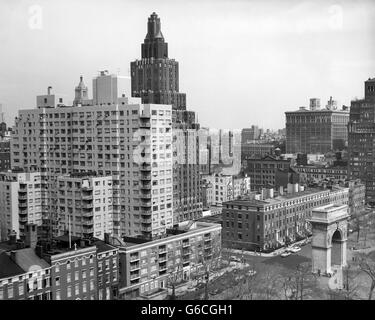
x=49 y=90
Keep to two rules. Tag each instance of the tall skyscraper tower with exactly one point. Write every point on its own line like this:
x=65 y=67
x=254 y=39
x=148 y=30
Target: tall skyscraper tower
x=361 y=140
x=155 y=79
x=155 y=76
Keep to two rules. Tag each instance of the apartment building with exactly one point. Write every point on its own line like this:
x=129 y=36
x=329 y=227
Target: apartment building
x=361 y=140
x=226 y=187
x=148 y=268
x=4 y=153
x=21 y=201
x=262 y=171
x=85 y=207
x=317 y=173
x=130 y=142
x=270 y=223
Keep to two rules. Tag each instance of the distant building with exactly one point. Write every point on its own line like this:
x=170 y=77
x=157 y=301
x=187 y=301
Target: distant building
x=262 y=171
x=226 y=187
x=285 y=176
x=270 y=223
x=256 y=149
x=320 y=172
x=155 y=78
x=357 y=197
x=314 y=104
x=4 y=153
x=316 y=131
x=250 y=134
x=207 y=194
x=361 y=145
x=149 y=268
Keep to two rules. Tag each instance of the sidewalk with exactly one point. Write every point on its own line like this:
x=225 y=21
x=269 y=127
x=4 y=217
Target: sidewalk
x=261 y=254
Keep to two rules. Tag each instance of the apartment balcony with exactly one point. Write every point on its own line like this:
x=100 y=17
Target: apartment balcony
x=162 y=250
x=86 y=197
x=89 y=188
x=23 y=219
x=145 y=167
x=185 y=244
x=146 y=195
x=134 y=276
x=87 y=214
x=145 y=116
x=22 y=197
x=163 y=259
x=22 y=205
x=146 y=204
x=87 y=231
x=87 y=223
x=162 y=266
x=146 y=213
x=145 y=177
x=22 y=212
x=146 y=220
x=135 y=267
x=146 y=186
x=87 y=205
x=145 y=124
x=134 y=258
x=146 y=229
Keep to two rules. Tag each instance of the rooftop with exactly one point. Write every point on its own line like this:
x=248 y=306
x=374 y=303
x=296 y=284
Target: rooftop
x=8 y=267
x=29 y=261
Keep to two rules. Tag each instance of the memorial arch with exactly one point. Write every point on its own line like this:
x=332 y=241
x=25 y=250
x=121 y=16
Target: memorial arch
x=329 y=228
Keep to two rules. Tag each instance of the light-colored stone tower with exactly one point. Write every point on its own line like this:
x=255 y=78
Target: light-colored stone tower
x=329 y=226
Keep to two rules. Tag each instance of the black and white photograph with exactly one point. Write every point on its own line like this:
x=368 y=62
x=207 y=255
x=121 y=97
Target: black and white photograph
x=177 y=156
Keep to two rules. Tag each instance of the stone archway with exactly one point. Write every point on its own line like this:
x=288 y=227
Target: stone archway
x=329 y=225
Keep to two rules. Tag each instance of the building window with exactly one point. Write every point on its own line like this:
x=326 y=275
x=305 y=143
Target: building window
x=83 y=274
x=57 y=281
x=68 y=264
x=76 y=277
x=84 y=287
x=57 y=267
x=77 y=289
x=91 y=259
x=20 y=289
x=91 y=272
x=83 y=261
x=58 y=296
x=10 y=291
x=76 y=263
x=68 y=277
x=69 y=292
x=91 y=284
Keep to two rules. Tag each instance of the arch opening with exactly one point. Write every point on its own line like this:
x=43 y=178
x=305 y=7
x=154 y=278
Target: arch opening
x=336 y=250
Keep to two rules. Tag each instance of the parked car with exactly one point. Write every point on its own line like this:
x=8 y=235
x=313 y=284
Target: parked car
x=294 y=249
x=234 y=258
x=285 y=254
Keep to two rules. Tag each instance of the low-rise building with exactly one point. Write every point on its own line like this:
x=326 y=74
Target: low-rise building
x=270 y=223
x=317 y=173
x=148 y=268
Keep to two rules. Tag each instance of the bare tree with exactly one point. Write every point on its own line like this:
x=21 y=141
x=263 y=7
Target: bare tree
x=299 y=283
x=269 y=283
x=366 y=264
x=174 y=278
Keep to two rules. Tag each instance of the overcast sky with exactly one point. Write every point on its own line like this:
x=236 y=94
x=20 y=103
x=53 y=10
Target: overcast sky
x=241 y=62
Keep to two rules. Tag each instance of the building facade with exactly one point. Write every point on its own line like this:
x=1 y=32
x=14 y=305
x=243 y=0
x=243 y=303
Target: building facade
x=316 y=131
x=130 y=142
x=155 y=78
x=148 y=269
x=22 y=201
x=4 y=153
x=270 y=223
x=85 y=205
x=361 y=144
x=318 y=173
x=262 y=171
